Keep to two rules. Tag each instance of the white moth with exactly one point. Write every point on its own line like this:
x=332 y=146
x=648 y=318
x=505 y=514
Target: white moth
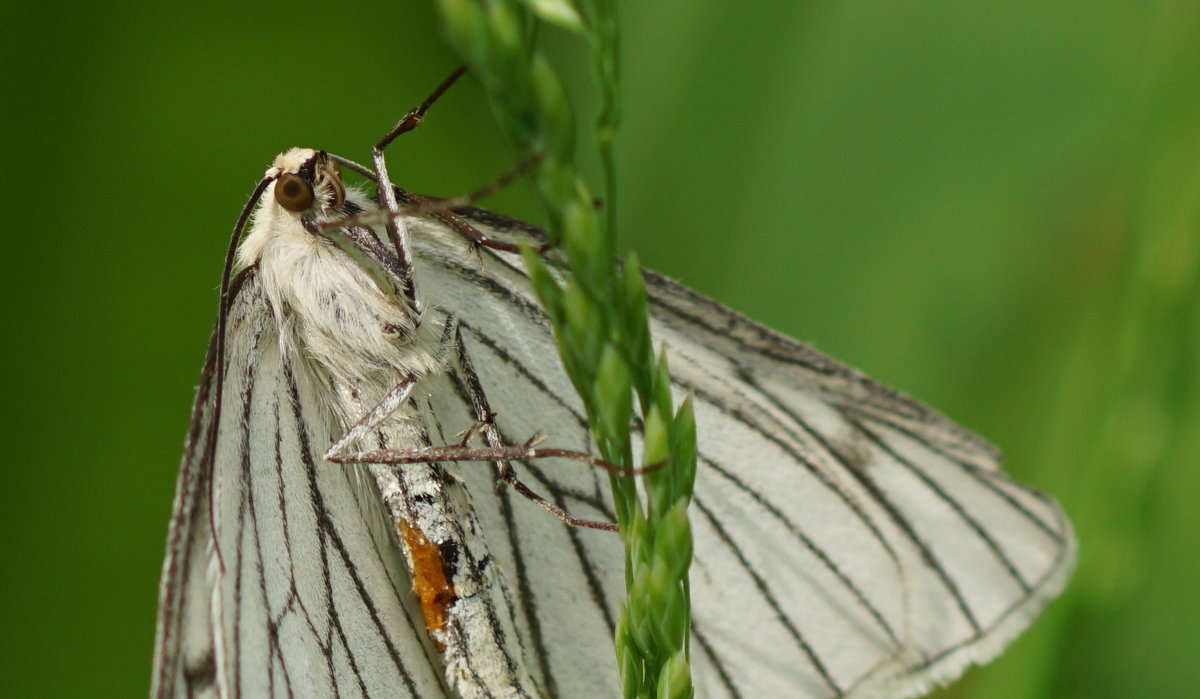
x=849 y=541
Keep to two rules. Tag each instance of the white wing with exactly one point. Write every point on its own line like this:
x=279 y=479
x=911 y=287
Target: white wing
x=849 y=541
x=310 y=595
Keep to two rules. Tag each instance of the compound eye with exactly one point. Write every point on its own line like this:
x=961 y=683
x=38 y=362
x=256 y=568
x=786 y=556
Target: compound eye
x=293 y=193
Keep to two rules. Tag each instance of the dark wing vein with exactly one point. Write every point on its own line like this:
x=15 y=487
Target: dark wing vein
x=295 y=583
x=850 y=540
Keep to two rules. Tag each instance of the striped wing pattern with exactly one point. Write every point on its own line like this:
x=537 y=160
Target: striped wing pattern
x=849 y=541
x=309 y=595
x=873 y=547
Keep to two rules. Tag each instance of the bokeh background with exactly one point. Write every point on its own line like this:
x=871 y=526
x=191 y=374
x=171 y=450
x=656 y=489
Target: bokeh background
x=993 y=205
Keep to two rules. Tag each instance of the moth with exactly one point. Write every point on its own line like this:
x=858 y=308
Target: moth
x=326 y=539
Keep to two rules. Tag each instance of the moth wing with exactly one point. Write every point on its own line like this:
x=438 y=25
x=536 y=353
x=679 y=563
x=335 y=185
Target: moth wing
x=282 y=576
x=849 y=541
x=567 y=582
x=883 y=554
x=184 y=650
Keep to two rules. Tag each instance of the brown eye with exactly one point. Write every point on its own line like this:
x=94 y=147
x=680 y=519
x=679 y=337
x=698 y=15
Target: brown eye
x=293 y=193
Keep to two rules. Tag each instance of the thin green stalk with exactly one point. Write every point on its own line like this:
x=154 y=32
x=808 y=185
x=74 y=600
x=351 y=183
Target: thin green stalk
x=599 y=312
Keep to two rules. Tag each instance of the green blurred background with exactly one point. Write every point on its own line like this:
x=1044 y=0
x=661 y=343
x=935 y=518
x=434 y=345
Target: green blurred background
x=992 y=205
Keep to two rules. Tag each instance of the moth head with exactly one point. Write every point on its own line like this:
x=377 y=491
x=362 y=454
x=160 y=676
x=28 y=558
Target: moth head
x=307 y=182
x=301 y=192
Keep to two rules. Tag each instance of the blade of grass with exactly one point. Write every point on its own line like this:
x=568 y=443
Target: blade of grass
x=599 y=313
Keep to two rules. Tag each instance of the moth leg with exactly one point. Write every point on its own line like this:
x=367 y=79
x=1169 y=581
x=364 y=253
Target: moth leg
x=413 y=118
x=499 y=455
x=339 y=453
x=391 y=195
x=397 y=232
x=497 y=452
x=443 y=209
x=484 y=416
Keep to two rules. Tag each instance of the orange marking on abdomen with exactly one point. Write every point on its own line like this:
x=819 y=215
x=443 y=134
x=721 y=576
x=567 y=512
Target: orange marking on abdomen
x=433 y=589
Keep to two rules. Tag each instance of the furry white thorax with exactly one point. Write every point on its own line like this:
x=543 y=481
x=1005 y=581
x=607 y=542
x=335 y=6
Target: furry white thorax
x=329 y=310
x=324 y=303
